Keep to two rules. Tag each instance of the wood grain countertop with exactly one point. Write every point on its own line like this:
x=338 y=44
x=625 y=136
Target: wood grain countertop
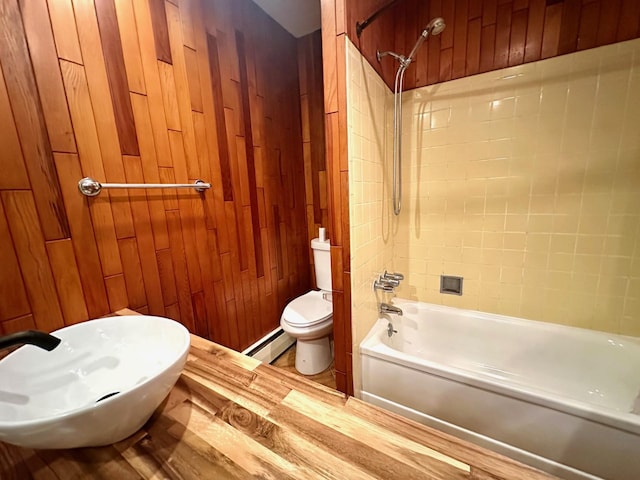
x=231 y=416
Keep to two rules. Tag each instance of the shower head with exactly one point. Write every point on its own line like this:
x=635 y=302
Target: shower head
x=435 y=26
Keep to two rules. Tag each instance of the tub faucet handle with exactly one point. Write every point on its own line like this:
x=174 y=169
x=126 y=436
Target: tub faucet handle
x=392 y=276
x=380 y=284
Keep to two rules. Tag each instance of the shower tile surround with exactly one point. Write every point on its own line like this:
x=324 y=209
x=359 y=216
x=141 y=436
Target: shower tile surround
x=525 y=181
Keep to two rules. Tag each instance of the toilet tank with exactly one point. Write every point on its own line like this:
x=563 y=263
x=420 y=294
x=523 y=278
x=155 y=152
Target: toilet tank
x=322 y=263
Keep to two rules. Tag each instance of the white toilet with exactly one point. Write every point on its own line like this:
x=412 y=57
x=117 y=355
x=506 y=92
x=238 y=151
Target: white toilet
x=309 y=318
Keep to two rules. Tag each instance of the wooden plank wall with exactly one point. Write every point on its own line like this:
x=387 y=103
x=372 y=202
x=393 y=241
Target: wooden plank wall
x=313 y=137
x=150 y=91
x=335 y=107
x=484 y=35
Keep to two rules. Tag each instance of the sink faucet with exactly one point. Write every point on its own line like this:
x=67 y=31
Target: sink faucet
x=386 y=308
x=33 y=337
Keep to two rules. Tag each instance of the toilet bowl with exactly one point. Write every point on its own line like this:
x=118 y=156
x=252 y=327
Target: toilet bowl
x=309 y=317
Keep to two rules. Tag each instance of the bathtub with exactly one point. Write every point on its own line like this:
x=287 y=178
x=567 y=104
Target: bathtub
x=558 y=398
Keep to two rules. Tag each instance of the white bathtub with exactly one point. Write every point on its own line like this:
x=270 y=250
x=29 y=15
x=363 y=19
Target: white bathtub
x=558 y=398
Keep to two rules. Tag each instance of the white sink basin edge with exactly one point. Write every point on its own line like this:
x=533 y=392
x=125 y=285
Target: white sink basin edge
x=67 y=398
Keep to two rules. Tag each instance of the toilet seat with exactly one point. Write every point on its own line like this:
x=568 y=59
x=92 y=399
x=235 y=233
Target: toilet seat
x=307 y=310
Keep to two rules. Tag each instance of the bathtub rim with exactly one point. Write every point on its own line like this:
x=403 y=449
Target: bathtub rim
x=372 y=345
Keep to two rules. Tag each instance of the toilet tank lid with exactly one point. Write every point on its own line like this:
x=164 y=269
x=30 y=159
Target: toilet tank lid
x=321 y=245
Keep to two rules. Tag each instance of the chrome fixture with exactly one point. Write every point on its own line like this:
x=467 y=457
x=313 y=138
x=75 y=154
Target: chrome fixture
x=434 y=27
x=388 y=287
x=386 y=308
x=392 y=276
x=388 y=281
x=90 y=187
x=391 y=330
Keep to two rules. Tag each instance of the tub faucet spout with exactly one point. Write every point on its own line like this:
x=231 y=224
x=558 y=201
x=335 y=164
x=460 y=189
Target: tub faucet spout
x=386 y=308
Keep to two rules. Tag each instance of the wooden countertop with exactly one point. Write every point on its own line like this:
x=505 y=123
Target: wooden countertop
x=231 y=416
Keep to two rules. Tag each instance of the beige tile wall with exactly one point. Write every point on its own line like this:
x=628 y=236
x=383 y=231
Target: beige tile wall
x=371 y=236
x=526 y=182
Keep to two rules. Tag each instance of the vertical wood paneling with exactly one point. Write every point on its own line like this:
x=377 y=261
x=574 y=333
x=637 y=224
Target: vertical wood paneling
x=458 y=66
x=179 y=263
x=30 y=124
x=629 y=23
x=143 y=17
x=250 y=161
x=132 y=271
x=67 y=279
x=193 y=77
x=116 y=292
x=182 y=91
x=503 y=35
x=474 y=39
x=47 y=73
x=551 y=31
x=608 y=22
x=570 y=26
x=90 y=157
x=518 y=38
x=337 y=185
x=84 y=238
x=97 y=82
x=14 y=175
x=313 y=136
x=328 y=14
x=63 y=24
x=223 y=148
x=160 y=30
x=12 y=291
x=534 y=30
x=149 y=159
x=151 y=94
x=169 y=98
x=130 y=48
x=144 y=234
x=29 y=242
x=116 y=73
x=589 y=21
x=167 y=277
x=18 y=324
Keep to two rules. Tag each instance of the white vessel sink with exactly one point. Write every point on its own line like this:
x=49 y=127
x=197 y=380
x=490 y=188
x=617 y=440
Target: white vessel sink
x=100 y=385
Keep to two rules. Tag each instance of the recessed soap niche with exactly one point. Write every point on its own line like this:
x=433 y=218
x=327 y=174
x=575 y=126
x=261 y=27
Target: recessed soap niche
x=451 y=285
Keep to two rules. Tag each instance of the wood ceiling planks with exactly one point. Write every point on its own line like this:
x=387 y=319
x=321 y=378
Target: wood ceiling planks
x=484 y=35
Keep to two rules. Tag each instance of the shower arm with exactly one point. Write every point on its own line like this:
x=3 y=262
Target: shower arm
x=402 y=60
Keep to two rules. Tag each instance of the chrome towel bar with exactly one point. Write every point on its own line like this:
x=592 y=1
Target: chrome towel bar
x=90 y=187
